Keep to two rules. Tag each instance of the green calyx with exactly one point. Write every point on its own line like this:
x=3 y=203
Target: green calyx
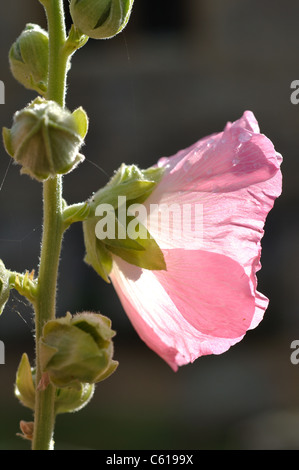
x=4 y=286
x=67 y=399
x=77 y=350
x=112 y=229
x=28 y=58
x=45 y=139
x=100 y=19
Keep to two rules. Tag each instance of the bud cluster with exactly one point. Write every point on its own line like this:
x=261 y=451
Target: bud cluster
x=75 y=352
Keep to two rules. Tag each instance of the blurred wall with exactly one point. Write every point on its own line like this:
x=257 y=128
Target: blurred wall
x=179 y=71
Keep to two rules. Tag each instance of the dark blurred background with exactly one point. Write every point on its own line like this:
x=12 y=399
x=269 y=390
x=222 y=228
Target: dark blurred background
x=179 y=72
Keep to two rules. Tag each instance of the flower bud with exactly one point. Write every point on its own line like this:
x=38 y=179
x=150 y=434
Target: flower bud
x=100 y=19
x=45 y=138
x=28 y=58
x=4 y=286
x=77 y=349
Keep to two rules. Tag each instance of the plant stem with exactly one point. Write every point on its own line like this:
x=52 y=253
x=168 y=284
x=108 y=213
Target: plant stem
x=45 y=308
x=58 y=59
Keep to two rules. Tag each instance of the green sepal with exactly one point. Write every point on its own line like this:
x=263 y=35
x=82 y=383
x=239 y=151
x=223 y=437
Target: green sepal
x=147 y=256
x=25 y=284
x=130 y=182
x=142 y=251
x=67 y=399
x=75 y=213
x=7 y=141
x=24 y=386
x=4 y=286
x=70 y=399
x=97 y=254
x=129 y=185
x=81 y=119
x=75 y=40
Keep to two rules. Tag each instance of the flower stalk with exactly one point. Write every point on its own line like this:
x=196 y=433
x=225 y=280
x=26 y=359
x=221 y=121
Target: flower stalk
x=52 y=230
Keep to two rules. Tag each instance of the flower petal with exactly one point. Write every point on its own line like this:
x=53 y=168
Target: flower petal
x=230 y=160
x=202 y=305
x=211 y=291
x=233 y=200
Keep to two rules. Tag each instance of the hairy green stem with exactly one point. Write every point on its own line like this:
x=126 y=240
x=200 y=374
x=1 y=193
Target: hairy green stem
x=45 y=307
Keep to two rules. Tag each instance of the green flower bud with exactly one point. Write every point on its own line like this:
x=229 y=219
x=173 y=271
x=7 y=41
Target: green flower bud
x=128 y=186
x=4 y=286
x=45 y=138
x=77 y=349
x=28 y=58
x=100 y=19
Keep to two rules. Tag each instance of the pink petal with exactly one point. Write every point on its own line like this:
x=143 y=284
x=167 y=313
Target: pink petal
x=211 y=291
x=202 y=305
x=234 y=200
x=237 y=157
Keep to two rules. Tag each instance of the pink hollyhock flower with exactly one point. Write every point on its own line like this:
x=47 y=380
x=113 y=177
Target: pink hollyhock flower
x=207 y=299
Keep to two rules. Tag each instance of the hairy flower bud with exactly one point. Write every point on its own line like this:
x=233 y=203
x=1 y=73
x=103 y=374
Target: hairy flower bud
x=77 y=349
x=4 y=286
x=28 y=58
x=45 y=138
x=100 y=19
